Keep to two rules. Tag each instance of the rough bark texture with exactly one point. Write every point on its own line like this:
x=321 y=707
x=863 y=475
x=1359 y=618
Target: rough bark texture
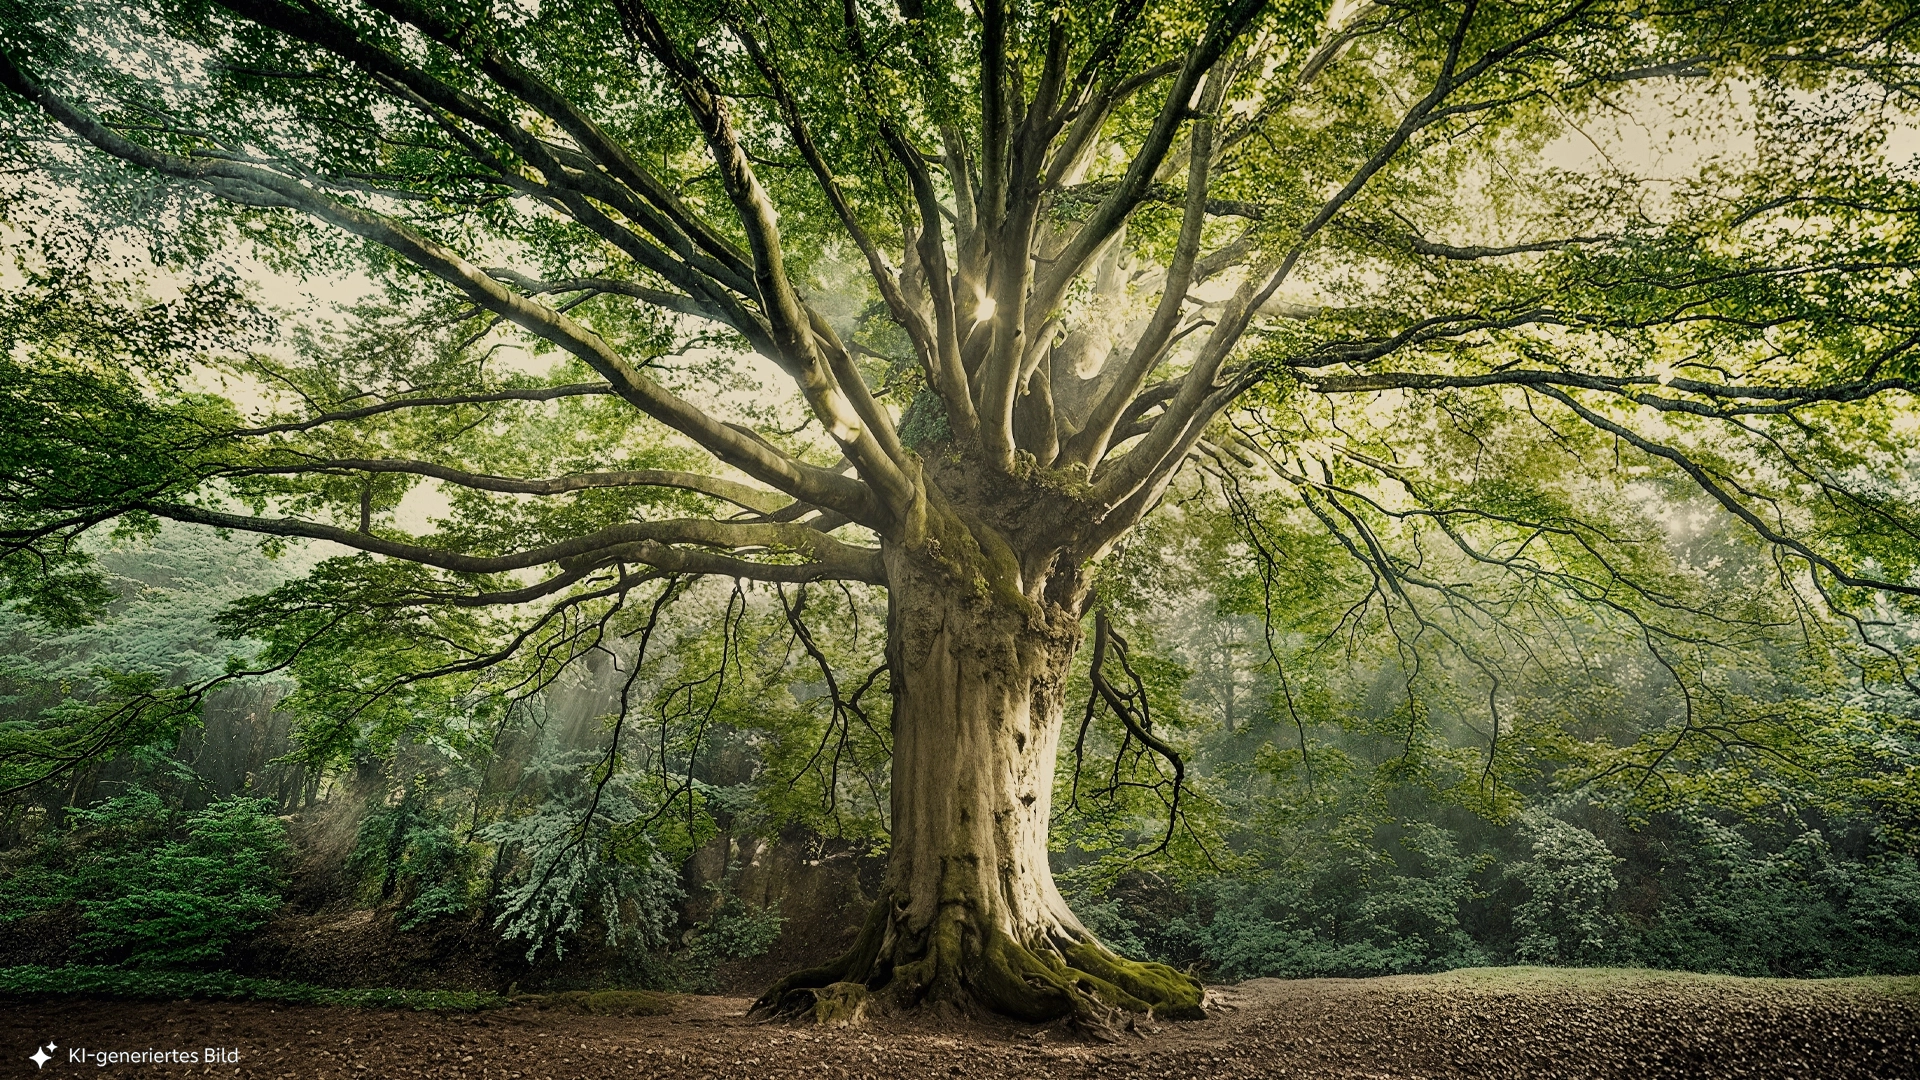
x=970 y=915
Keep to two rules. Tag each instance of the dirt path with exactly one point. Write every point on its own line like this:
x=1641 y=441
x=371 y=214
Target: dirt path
x=1489 y=1023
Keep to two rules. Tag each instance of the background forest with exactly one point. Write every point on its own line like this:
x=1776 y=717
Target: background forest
x=1346 y=809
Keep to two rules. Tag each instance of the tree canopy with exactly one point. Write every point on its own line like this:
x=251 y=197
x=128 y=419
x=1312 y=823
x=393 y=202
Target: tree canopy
x=1464 y=314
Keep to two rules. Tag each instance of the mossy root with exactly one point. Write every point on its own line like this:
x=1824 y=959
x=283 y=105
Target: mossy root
x=991 y=971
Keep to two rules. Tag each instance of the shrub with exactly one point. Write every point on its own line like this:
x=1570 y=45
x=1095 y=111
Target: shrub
x=154 y=902
x=1566 y=916
x=737 y=931
x=186 y=902
x=1799 y=911
x=1368 y=910
x=569 y=878
x=1109 y=922
x=409 y=852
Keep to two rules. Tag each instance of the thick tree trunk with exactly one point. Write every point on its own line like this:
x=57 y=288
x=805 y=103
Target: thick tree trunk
x=970 y=915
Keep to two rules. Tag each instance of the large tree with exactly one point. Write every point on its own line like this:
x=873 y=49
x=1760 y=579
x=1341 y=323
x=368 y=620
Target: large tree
x=1020 y=263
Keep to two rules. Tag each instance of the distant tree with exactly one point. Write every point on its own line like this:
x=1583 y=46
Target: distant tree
x=1022 y=265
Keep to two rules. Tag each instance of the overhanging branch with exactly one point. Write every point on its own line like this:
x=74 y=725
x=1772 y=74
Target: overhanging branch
x=741 y=495
x=648 y=542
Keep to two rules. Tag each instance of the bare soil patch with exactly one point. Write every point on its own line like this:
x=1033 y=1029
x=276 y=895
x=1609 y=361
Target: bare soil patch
x=1488 y=1023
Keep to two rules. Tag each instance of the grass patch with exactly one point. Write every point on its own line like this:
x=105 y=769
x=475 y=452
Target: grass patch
x=1523 y=978
x=109 y=982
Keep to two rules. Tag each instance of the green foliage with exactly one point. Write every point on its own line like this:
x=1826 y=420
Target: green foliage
x=187 y=902
x=409 y=853
x=94 y=419
x=148 y=900
x=1567 y=917
x=737 y=931
x=1368 y=910
x=73 y=695
x=732 y=930
x=575 y=869
x=1684 y=893
x=1800 y=909
x=148 y=985
x=570 y=881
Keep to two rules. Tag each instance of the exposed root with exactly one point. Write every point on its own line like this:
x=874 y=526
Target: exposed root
x=792 y=996
x=1170 y=994
x=956 y=965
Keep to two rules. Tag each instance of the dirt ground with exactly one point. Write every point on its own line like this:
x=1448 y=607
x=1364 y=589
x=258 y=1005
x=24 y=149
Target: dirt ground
x=1487 y=1023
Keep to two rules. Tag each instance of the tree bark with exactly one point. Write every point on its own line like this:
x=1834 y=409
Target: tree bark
x=970 y=916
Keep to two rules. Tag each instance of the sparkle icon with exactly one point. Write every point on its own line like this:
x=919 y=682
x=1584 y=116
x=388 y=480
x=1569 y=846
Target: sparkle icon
x=40 y=1057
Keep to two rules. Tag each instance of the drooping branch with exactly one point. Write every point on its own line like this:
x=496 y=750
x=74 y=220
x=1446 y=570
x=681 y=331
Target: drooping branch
x=1579 y=561
x=839 y=729
x=1135 y=713
x=1720 y=493
x=1588 y=540
x=674 y=588
x=1397 y=578
x=1266 y=563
